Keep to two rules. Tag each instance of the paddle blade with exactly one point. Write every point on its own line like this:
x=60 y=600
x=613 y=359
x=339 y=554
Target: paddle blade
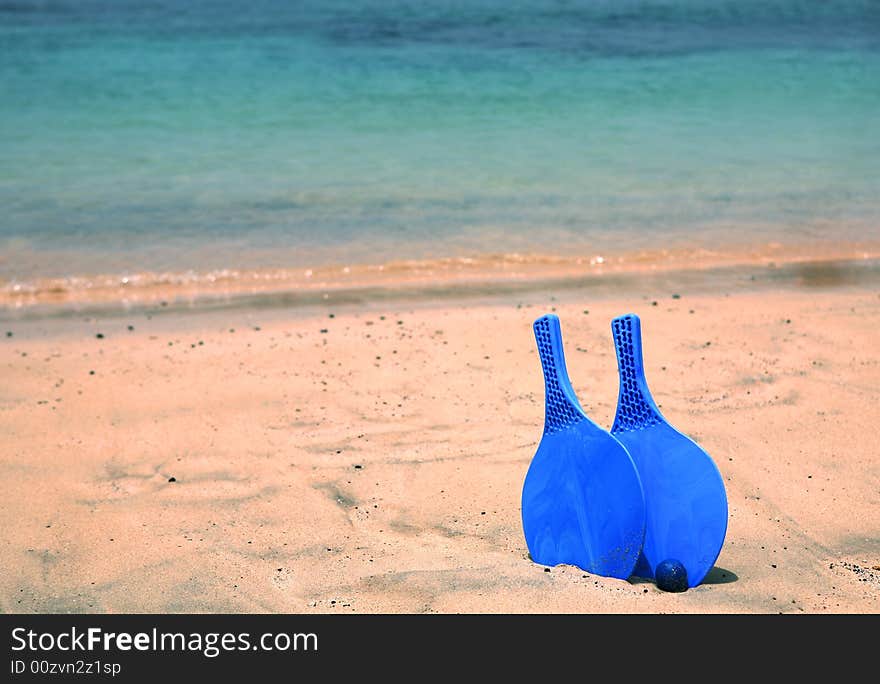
x=582 y=503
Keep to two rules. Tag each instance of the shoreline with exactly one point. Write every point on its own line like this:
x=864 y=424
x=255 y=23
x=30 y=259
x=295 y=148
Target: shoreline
x=436 y=280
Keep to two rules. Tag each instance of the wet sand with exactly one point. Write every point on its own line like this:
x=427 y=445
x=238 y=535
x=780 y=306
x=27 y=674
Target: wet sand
x=368 y=456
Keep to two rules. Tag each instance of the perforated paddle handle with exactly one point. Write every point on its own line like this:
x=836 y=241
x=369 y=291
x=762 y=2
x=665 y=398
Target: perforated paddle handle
x=636 y=409
x=561 y=406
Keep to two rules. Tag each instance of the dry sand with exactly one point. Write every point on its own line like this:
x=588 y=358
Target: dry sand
x=373 y=461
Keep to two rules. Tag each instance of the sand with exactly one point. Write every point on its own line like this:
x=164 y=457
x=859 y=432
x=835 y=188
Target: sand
x=368 y=457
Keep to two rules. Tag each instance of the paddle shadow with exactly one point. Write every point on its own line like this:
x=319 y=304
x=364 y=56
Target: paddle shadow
x=720 y=576
x=715 y=576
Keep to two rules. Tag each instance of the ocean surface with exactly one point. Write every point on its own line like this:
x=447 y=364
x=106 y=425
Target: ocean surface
x=189 y=136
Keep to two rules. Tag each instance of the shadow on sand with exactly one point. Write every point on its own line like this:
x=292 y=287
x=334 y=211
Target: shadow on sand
x=720 y=576
x=715 y=576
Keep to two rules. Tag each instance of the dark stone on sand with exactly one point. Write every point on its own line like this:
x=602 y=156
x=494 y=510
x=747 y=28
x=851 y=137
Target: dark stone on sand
x=131 y=327
x=100 y=336
x=358 y=467
x=8 y=333
x=546 y=569
x=654 y=303
x=332 y=316
x=172 y=479
x=323 y=330
x=676 y=296
x=91 y=372
x=257 y=328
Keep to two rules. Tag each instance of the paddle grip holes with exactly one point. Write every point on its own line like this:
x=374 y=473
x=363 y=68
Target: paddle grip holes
x=559 y=411
x=633 y=411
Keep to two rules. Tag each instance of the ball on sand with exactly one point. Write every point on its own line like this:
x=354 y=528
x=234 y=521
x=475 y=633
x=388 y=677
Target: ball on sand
x=671 y=576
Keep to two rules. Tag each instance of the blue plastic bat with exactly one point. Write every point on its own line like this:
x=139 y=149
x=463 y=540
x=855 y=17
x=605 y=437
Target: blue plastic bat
x=582 y=501
x=686 y=505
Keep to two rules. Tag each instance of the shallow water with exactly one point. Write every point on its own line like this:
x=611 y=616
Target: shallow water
x=200 y=135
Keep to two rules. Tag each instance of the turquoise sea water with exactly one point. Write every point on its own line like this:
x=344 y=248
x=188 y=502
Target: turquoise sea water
x=205 y=134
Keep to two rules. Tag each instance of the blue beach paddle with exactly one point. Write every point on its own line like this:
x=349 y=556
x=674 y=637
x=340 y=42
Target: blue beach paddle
x=582 y=501
x=685 y=501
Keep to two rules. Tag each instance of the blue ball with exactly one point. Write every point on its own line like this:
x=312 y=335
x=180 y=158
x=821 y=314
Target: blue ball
x=671 y=576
